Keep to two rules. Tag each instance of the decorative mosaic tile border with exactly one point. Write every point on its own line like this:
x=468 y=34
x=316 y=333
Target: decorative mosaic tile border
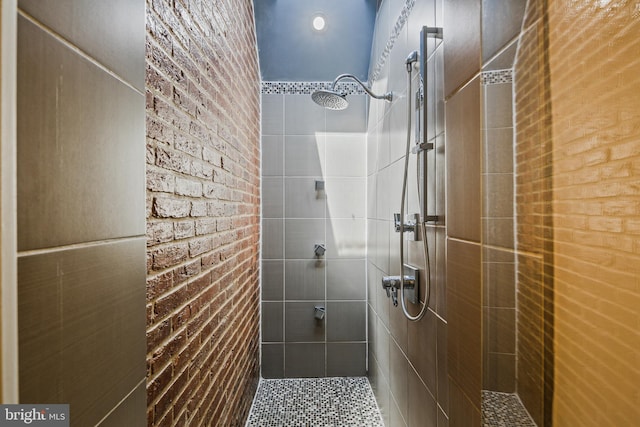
x=400 y=22
x=496 y=77
x=504 y=410
x=307 y=88
x=335 y=402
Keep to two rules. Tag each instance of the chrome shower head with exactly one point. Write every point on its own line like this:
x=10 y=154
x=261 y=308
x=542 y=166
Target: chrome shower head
x=330 y=99
x=336 y=101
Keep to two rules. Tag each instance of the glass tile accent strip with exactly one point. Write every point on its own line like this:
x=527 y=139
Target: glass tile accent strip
x=307 y=88
x=496 y=77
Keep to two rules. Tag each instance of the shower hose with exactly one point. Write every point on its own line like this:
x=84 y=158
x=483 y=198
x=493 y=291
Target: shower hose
x=421 y=223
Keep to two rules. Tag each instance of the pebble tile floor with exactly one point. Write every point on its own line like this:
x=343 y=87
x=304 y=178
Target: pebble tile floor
x=315 y=402
x=349 y=402
x=504 y=410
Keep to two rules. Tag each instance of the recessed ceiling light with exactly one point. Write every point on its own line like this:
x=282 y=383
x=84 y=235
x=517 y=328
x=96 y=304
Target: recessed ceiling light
x=319 y=23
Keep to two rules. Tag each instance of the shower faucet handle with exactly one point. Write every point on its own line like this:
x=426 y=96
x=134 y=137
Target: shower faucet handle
x=397 y=222
x=391 y=284
x=411 y=279
x=394 y=296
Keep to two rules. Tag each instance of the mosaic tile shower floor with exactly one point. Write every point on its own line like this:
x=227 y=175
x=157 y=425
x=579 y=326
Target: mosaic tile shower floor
x=504 y=410
x=315 y=402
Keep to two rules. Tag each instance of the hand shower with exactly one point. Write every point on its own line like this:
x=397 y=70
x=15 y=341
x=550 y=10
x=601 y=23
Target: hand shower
x=422 y=218
x=420 y=224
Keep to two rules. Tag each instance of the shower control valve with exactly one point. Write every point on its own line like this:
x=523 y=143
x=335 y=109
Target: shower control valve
x=411 y=277
x=393 y=282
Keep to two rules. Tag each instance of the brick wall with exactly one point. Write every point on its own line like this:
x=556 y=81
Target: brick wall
x=203 y=206
x=534 y=231
x=594 y=61
x=577 y=202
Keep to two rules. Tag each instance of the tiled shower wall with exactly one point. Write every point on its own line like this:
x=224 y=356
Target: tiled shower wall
x=407 y=360
x=479 y=160
x=480 y=46
x=81 y=268
x=314 y=192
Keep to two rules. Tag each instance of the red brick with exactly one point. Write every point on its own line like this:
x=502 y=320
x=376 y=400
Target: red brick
x=157 y=335
x=165 y=207
x=158 y=131
x=161 y=181
x=156 y=385
x=199 y=246
x=202 y=152
x=156 y=81
x=216 y=191
x=175 y=161
x=187 y=271
x=200 y=170
x=158 y=285
x=182 y=101
x=212 y=156
x=183 y=230
x=206 y=226
x=159 y=232
x=169 y=256
x=188 y=187
x=199 y=208
x=186 y=144
x=169 y=303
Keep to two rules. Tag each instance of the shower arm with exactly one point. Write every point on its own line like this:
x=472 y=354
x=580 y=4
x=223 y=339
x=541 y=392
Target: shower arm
x=387 y=96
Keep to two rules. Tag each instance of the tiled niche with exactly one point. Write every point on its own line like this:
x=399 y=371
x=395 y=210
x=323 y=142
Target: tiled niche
x=499 y=299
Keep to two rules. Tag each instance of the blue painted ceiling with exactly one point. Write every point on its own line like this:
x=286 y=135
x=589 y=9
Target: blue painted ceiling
x=290 y=50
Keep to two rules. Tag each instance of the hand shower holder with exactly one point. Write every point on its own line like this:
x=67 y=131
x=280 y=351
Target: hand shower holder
x=423 y=146
x=433 y=32
x=411 y=226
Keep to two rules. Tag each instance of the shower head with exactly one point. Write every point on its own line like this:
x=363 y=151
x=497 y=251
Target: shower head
x=330 y=99
x=334 y=100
